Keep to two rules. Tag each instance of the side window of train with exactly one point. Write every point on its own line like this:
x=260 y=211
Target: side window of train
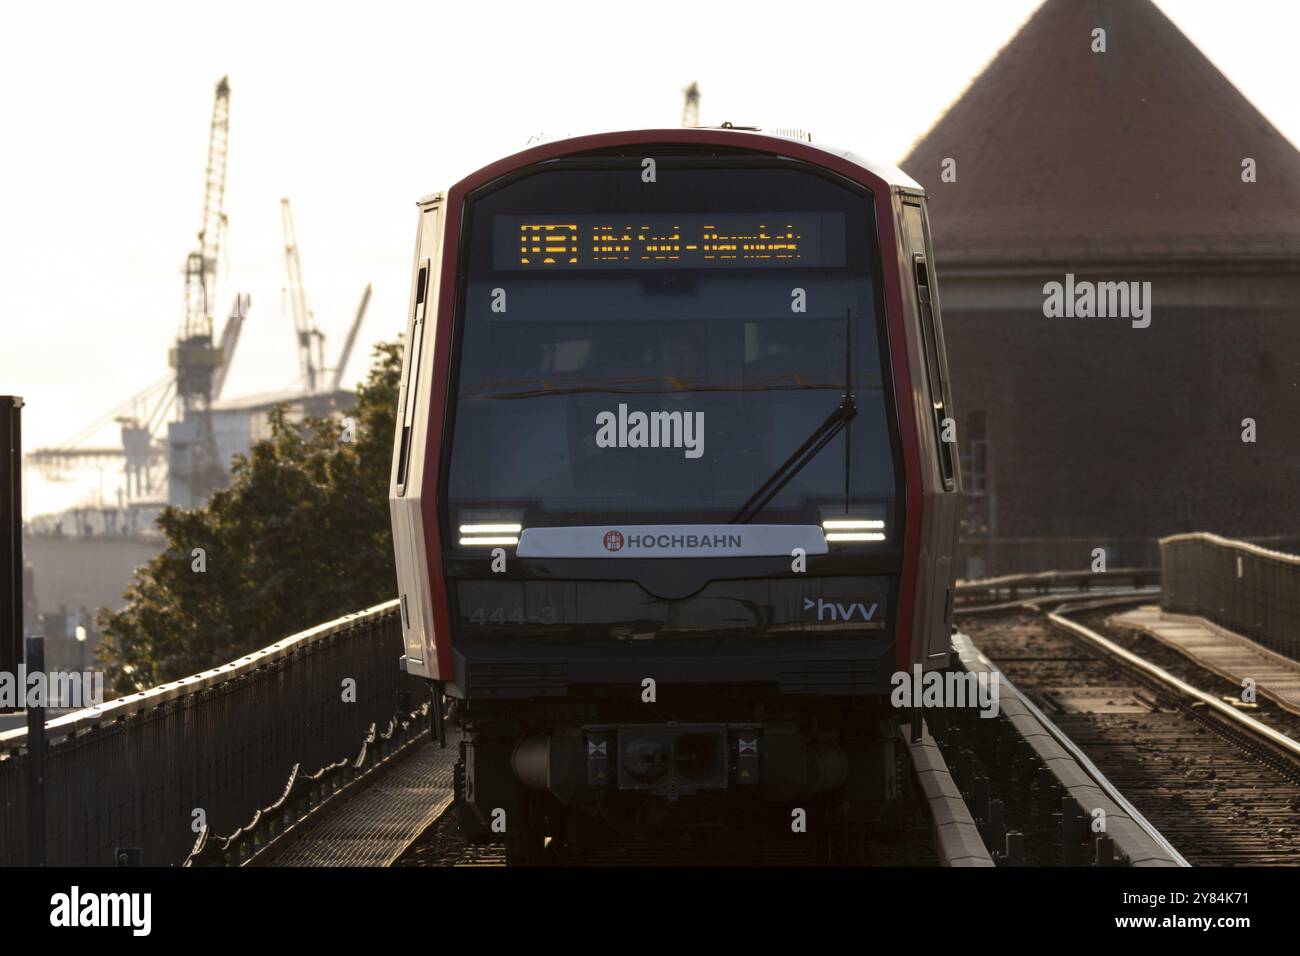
x=411 y=386
x=938 y=387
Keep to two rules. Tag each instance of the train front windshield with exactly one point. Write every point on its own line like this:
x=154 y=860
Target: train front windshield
x=652 y=349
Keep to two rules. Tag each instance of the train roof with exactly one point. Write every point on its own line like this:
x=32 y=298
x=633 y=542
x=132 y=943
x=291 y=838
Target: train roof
x=777 y=142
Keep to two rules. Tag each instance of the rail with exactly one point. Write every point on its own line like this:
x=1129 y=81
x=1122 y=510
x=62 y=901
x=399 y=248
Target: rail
x=1243 y=587
x=142 y=777
x=1061 y=769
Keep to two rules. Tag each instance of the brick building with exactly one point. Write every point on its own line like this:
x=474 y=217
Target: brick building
x=1118 y=166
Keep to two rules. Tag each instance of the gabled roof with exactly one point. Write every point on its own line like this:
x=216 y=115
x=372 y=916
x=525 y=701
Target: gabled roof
x=1136 y=152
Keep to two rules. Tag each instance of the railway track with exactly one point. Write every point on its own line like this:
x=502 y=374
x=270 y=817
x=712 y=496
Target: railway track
x=443 y=846
x=1219 y=789
x=909 y=842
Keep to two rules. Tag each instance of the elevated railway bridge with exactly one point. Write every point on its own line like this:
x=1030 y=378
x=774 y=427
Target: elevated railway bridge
x=1164 y=701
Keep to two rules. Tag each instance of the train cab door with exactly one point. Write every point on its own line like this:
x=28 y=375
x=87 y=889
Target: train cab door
x=942 y=478
x=409 y=485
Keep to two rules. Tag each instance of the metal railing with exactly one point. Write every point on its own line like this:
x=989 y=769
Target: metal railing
x=1240 y=586
x=987 y=557
x=151 y=770
x=1012 y=587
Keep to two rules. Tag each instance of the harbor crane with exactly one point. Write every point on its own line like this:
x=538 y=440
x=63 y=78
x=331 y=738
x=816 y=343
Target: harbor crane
x=350 y=341
x=200 y=367
x=195 y=460
x=311 y=340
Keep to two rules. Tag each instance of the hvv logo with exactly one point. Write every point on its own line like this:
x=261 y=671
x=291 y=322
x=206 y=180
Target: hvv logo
x=830 y=611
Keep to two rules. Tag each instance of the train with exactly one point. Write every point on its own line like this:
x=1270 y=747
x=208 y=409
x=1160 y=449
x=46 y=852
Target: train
x=675 y=487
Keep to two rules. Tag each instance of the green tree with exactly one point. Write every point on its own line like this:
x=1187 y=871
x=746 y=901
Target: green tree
x=300 y=536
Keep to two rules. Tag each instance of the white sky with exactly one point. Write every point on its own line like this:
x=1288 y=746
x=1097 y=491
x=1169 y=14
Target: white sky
x=355 y=110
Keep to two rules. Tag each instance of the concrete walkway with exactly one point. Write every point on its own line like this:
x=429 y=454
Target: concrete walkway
x=375 y=826
x=1229 y=655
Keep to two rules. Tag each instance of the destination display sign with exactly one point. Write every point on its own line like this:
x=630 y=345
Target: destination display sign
x=669 y=241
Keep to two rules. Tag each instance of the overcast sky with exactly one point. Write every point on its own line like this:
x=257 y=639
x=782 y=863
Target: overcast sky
x=356 y=110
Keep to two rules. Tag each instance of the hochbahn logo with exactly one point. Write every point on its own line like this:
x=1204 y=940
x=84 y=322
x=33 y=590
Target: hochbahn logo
x=616 y=541
x=624 y=429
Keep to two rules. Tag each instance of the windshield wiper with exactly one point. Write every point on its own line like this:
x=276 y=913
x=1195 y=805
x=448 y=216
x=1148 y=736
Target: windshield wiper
x=819 y=439
x=835 y=422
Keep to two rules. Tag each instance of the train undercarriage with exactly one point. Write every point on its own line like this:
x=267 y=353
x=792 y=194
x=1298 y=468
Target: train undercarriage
x=554 y=780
